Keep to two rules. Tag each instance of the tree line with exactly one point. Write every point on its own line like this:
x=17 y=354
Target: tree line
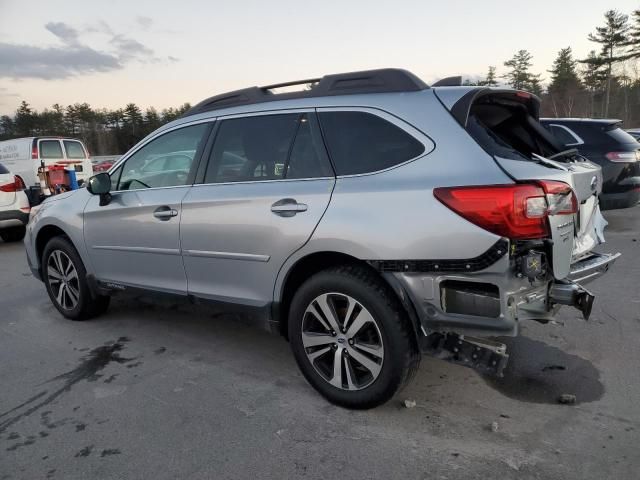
x=104 y=132
x=606 y=83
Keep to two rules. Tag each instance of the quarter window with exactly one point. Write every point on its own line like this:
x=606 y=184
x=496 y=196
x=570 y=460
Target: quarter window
x=50 y=149
x=562 y=135
x=361 y=142
x=269 y=147
x=165 y=161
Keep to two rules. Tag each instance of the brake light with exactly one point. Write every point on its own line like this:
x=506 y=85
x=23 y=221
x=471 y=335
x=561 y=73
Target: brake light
x=16 y=185
x=561 y=199
x=623 y=157
x=516 y=211
x=19 y=183
x=34 y=151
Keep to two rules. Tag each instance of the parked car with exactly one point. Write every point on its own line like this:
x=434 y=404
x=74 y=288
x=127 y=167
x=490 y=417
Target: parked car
x=23 y=156
x=368 y=219
x=634 y=132
x=103 y=163
x=102 y=166
x=14 y=206
x=604 y=142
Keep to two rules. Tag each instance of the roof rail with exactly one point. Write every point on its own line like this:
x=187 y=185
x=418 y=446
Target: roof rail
x=385 y=80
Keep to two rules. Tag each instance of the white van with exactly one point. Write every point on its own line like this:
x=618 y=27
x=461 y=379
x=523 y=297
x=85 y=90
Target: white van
x=22 y=156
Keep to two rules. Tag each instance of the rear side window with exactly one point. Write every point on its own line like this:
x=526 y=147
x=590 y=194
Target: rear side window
x=3 y=169
x=50 y=149
x=269 y=147
x=562 y=135
x=620 y=136
x=361 y=142
x=74 y=149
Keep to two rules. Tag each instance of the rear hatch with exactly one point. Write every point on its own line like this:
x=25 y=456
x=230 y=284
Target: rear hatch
x=505 y=124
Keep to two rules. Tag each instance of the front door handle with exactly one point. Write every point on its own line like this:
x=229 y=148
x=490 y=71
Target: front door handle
x=288 y=207
x=165 y=213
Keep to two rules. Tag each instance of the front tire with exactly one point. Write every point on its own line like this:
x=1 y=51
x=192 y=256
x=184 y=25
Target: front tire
x=351 y=338
x=13 y=234
x=66 y=281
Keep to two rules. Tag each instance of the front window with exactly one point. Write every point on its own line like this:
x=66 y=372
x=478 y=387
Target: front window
x=164 y=162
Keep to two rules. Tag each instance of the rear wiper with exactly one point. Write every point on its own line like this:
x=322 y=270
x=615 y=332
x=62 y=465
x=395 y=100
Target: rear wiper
x=572 y=152
x=548 y=162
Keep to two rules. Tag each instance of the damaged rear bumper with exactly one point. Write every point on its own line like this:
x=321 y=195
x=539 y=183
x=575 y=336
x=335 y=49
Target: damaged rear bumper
x=494 y=301
x=592 y=267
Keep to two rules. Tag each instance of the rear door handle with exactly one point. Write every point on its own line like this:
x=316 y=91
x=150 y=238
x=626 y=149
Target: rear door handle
x=288 y=207
x=165 y=213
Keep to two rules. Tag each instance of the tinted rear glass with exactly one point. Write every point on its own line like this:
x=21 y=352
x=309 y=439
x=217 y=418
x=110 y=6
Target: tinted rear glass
x=620 y=136
x=269 y=147
x=74 y=149
x=50 y=149
x=360 y=142
x=3 y=169
x=564 y=137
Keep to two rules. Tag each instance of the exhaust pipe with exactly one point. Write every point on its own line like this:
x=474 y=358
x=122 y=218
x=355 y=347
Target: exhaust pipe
x=574 y=295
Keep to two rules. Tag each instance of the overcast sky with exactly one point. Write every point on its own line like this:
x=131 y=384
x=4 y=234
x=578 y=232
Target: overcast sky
x=164 y=53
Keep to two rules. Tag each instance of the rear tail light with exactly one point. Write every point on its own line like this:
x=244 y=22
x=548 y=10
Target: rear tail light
x=624 y=157
x=16 y=185
x=516 y=211
x=560 y=198
x=19 y=183
x=34 y=151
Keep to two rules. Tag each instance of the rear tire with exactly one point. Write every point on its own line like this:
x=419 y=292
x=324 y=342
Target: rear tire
x=65 y=279
x=362 y=350
x=13 y=234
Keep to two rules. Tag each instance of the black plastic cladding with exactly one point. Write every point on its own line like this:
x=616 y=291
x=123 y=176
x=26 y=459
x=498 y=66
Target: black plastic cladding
x=488 y=258
x=385 y=80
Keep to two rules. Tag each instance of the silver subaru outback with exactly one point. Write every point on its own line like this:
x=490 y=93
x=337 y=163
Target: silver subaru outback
x=369 y=219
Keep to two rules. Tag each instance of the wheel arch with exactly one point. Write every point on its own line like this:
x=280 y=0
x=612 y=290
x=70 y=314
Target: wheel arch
x=312 y=263
x=43 y=236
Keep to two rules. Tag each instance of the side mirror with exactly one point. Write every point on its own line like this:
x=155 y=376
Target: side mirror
x=100 y=184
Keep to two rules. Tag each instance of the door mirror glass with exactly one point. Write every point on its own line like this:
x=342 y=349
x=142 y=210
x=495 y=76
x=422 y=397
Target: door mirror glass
x=99 y=184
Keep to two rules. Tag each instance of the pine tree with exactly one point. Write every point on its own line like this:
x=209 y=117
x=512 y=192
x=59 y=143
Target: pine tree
x=593 y=78
x=24 y=120
x=7 y=127
x=519 y=76
x=133 y=117
x=613 y=38
x=565 y=84
x=633 y=39
x=490 y=80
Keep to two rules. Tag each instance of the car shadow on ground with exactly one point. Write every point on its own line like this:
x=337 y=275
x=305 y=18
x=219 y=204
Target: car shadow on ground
x=536 y=373
x=541 y=373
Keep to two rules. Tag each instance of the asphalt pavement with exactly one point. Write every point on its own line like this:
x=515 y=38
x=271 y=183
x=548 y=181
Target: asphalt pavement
x=174 y=391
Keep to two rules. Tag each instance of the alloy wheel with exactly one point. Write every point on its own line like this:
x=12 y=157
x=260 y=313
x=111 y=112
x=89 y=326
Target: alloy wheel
x=342 y=341
x=63 y=279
